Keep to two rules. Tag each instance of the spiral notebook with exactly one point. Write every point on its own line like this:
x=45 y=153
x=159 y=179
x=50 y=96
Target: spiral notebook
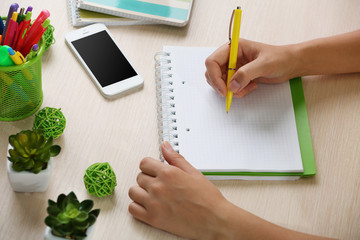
x=170 y=12
x=265 y=135
x=80 y=17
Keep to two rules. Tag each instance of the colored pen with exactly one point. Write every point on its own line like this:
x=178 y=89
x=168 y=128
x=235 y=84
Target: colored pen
x=21 y=15
x=29 y=38
x=14 y=7
x=11 y=31
x=29 y=9
x=234 y=41
x=33 y=52
x=2 y=26
x=36 y=37
x=17 y=57
x=24 y=27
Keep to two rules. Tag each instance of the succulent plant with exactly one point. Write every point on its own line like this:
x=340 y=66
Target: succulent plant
x=31 y=151
x=68 y=218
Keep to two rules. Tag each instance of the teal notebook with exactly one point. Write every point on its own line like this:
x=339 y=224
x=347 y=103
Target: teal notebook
x=265 y=135
x=171 y=12
x=80 y=17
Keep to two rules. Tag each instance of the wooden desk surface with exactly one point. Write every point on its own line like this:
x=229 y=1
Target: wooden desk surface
x=123 y=131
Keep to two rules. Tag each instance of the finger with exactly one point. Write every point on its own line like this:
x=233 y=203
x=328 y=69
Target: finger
x=138 y=195
x=245 y=74
x=150 y=166
x=138 y=211
x=175 y=159
x=215 y=64
x=271 y=80
x=245 y=91
x=144 y=180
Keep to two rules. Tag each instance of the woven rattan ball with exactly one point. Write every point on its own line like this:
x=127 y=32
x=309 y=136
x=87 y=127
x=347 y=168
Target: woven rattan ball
x=49 y=36
x=51 y=120
x=100 y=179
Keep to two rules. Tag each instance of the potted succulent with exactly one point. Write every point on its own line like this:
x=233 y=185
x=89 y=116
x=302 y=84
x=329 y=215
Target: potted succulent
x=70 y=219
x=29 y=160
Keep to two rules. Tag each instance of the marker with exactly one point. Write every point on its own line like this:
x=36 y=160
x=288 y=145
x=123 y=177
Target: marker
x=29 y=37
x=14 y=7
x=33 y=52
x=29 y=9
x=1 y=27
x=36 y=37
x=11 y=31
x=21 y=15
x=5 y=59
x=16 y=57
x=24 y=27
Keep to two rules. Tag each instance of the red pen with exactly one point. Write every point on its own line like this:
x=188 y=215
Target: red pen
x=11 y=31
x=36 y=37
x=24 y=27
x=44 y=14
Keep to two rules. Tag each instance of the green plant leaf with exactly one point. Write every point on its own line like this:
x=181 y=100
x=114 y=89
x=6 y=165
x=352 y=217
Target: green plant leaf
x=79 y=235
x=95 y=212
x=15 y=154
x=53 y=210
x=55 y=150
x=67 y=229
x=60 y=201
x=29 y=164
x=80 y=225
x=44 y=157
x=23 y=138
x=47 y=144
x=91 y=219
x=51 y=203
x=51 y=221
x=71 y=211
x=37 y=167
x=17 y=147
x=82 y=216
x=86 y=205
x=58 y=230
x=63 y=218
x=71 y=198
x=18 y=167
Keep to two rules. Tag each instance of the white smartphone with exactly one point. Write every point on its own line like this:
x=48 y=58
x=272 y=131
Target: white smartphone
x=102 y=58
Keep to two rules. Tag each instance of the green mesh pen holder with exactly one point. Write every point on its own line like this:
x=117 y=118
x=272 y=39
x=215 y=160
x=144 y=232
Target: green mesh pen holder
x=20 y=88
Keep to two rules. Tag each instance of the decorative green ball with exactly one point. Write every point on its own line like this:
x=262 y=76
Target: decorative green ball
x=51 y=120
x=100 y=179
x=49 y=37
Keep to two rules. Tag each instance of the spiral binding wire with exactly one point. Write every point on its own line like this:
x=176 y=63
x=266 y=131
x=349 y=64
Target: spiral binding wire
x=166 y=111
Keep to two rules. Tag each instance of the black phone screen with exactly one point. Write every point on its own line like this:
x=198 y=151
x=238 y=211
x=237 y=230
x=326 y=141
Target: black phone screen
x=104 y=58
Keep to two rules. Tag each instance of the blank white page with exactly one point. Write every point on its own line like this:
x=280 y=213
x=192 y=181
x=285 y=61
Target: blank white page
x=258 y=134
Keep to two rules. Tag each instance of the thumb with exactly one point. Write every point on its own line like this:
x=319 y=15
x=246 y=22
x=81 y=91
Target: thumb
x=245 y=74
x=175 y=159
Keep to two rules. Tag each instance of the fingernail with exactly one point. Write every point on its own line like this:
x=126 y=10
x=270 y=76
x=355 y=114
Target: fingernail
x=219 y=91
x=234 y=86
x=167 y=147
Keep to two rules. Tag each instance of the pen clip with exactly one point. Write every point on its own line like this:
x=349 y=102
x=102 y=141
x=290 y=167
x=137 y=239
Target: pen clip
x=230 y=25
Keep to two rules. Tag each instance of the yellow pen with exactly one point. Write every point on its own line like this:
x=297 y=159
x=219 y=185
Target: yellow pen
x=17 y=57
x=234 y=41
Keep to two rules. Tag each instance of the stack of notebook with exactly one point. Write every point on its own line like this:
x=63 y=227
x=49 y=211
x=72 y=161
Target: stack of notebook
x=129 y=12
